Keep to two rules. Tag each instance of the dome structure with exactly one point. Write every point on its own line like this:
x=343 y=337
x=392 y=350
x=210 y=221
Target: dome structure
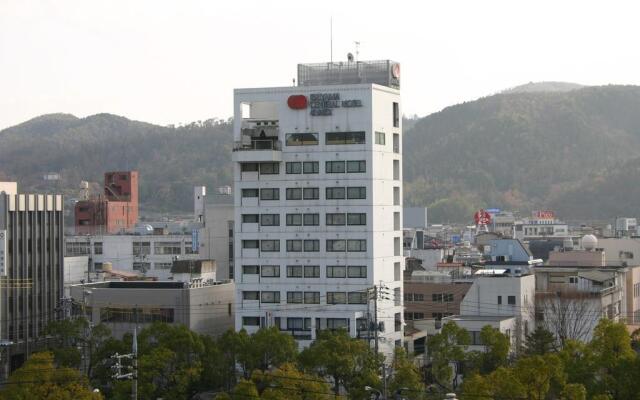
x=589 y=242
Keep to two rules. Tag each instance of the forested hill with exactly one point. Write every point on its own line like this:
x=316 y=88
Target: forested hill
x=171 y=160
x=576 y=150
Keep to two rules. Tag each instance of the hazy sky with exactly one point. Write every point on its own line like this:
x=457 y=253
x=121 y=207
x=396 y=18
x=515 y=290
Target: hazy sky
x=171 y=62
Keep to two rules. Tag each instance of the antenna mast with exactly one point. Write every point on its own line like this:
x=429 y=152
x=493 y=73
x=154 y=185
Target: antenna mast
x=331 y=36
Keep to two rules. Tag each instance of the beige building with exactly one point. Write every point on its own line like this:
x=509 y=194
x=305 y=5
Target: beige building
x=123 y=305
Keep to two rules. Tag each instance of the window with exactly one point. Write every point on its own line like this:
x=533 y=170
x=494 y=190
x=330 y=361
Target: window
x=269 y=168
x=499 y=299
x=336 y=219
x=311 y=297
x=294 y=219
x=436 y=297
x=312 y=245
x=408 y=297
x=397 y=296
x=97 y=248
x=573 y=279
x=270 y=194
x=420 y=297
x=269 y=245
x=141 y=266
x=270 y=297
x=299 y=324
x=311 y=167
x=249 y=244
x=336 y=271
x=356 y=219
x=249 y=218
x=270 y=271
x=357 y=298
x=335 y=193
x=396 y=170
x=312 y=271
x=397 y=322
x=396 y=115
x=345 y=138
x=141 y=248
x=249 y=167
x=249 y=192
x=357 y=192
x=294 y=245
x=311 y=219
x=356 y=245
x=162 y=265
x=294 y=297
x=334 y=167
x=294 y=193
x=250 y=295
x=301 y=139
x=294 y=271
x=396 y=221
x=396 y=196
x=447 y=297
x=396 y=143
x=356 y=166
x=311 y=193
x=335 y=245
x=396 y=246
x=380 y=139
x=397 y=271
x=293 y=167
x=251 y=270
x=251 y=321
x=270 y=219
x=476 y=338
x=166 y=248
x=511 y=300
x=357 y=271
x=337 y=323
x=336 y=298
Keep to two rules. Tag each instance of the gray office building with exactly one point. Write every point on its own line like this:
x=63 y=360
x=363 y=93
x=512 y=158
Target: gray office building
x=31 y=277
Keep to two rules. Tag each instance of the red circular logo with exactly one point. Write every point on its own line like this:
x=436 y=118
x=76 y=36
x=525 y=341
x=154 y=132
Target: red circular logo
x=297 y=102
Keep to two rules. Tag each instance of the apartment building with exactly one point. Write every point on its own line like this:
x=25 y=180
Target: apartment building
x=318 y=202
x=31 y=270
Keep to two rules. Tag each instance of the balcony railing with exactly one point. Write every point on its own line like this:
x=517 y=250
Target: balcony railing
x=258 y=144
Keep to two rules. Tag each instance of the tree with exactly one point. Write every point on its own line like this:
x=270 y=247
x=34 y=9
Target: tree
x=611 y=349
x=540 y=375
x=39 y=378
x=268 y=347
x=232 y=344
x=574 y=391
x=495 y=353
x=540 y=342
x=406 y=376
x=289 y=383
x=350 y=362
x=446 y=348
x=568 y=316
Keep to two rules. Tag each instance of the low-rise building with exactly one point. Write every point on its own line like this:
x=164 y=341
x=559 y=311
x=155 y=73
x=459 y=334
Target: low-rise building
x=203 y=307
x=148 y=254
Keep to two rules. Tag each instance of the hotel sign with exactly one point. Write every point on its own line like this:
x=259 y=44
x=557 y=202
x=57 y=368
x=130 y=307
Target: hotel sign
x=322 y=104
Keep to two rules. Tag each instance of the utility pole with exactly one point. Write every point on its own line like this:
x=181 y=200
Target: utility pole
x=133 y=375
x=134 y=384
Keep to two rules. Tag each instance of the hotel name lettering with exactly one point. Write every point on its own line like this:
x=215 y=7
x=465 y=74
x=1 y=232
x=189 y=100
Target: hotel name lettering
x=324 y=103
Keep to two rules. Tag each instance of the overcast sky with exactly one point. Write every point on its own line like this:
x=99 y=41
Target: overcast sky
x=171 y=62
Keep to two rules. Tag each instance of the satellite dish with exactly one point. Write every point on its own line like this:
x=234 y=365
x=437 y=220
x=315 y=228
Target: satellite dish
x=350 y=57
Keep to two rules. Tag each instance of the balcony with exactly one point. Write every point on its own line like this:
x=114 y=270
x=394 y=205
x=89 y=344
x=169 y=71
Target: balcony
x=257 y=150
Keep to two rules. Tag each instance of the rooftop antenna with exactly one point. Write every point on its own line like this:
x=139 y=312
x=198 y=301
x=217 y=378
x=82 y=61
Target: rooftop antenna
x=357 y=50
x=331 y=36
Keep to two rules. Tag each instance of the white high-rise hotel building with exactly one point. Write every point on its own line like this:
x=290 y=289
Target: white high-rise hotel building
x=318 y=203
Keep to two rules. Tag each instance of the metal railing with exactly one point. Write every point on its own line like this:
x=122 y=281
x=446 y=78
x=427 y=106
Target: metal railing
x=257 y=144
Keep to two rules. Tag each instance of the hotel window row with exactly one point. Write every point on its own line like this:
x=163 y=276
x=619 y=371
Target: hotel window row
x=310 y=193
x=309 y=219
x=307 y=271
x=307 y=245
x=307 y=167
x=301 y=324
x=298 y=297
